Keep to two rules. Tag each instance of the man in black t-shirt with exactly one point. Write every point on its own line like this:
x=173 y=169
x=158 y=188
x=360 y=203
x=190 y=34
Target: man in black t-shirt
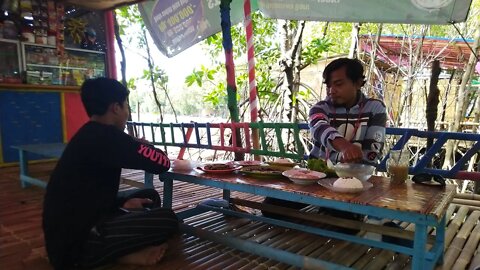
x=86 y=223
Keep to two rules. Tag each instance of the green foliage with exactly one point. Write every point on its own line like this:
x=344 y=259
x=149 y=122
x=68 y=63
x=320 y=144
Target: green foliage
x=315 y=49
x=198 y=77
x=267 y=57
x=320 y=165
x=158 y=75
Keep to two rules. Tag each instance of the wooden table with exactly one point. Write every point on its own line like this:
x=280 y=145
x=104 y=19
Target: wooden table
x=49 y=150
x=425 y=206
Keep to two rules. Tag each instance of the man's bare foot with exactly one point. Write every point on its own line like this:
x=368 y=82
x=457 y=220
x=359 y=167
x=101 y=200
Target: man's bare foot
x=147 y=256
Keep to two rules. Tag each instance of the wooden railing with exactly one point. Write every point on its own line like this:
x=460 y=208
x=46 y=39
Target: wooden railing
x=291 y=140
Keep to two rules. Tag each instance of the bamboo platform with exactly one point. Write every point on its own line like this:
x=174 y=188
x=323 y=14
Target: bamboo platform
x=22 y=247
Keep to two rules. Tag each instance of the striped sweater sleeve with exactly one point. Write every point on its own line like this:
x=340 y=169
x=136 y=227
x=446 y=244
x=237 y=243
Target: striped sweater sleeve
x=319 y=124
x=374 y=140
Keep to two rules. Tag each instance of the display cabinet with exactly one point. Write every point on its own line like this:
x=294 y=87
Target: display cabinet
x=43 y=65
x=10 y=67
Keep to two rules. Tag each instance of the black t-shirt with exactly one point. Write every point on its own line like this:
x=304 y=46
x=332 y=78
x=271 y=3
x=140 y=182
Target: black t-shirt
x=84 y=185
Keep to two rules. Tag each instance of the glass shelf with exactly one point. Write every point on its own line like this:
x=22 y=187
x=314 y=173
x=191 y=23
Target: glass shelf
x=43 y=65
x=10 y=68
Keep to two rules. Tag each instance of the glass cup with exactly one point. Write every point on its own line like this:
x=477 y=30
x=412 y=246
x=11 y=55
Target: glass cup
x=397 y=166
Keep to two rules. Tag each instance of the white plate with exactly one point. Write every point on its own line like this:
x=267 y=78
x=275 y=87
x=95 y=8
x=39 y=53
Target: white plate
x=328 y=183
x=303 y=176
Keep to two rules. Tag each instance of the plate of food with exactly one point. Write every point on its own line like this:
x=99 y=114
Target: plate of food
x=303 y=176
x=282 y=162
x=245 y=163
x=345 y=184
x=263 y=171
x=219 y=167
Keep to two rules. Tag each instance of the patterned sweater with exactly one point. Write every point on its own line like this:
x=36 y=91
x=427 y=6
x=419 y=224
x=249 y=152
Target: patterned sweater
x=363 y=124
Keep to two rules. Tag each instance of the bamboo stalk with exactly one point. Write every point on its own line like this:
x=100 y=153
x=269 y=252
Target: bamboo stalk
x=381 y=260
x=243 y=262
x=206 y=255
x=291 y=246
x=234 y=257
x=330 y=254
x=318 y=253
x=399 y=263
x=365 y=259
x=466 y=202
x=326 y=219
x=468 y=250
x=455 y=224
x=355 y=253
x=467 y=196
x=457 y=244
x=470 y=208
x=475 y=262
x=450 y=210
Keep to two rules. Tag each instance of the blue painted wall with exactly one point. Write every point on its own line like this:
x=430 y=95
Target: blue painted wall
x=28 y=117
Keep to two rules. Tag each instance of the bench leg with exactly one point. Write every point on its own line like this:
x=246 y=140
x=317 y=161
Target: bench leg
x=23 y=161
x=419 y=246
x=167 y=193
x=148 y=178
x=226 y=195
x=440 y=237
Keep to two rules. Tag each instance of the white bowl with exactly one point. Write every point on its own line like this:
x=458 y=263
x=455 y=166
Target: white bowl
x=181 y=165
x=359 y=171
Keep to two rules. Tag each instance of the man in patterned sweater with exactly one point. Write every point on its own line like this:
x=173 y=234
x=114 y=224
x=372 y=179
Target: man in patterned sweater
x=347 y=126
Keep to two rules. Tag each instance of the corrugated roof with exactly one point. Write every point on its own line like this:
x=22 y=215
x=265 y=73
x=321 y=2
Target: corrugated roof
x=452 y=53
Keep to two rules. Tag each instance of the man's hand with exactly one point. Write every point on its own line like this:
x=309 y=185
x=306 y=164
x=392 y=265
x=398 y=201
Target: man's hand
x=351 y=153
x=136 y=203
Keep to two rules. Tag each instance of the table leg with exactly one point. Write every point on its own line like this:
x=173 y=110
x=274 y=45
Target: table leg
x=148 y=178
x=23 y=167
x=226 y=195
x=419 y=246
x=167 y=192
x=440 y=238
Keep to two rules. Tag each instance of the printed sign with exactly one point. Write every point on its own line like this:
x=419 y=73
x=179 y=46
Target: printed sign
x=175 y=25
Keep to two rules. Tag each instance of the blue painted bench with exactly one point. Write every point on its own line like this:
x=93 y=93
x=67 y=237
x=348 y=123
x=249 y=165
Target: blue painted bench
x=49 y=150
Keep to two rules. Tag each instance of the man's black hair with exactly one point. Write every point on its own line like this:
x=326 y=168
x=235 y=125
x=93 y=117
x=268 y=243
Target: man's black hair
x=354 y=69
x=97 y=94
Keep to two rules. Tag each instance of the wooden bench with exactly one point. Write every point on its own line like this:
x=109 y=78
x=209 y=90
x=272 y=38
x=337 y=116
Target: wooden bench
x=49 y=150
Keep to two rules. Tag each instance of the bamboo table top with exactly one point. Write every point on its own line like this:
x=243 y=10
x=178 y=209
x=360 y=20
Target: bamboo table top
x=408 y=197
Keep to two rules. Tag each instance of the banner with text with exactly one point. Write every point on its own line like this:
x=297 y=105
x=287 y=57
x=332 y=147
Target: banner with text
x=175 y=25
x=379 y=11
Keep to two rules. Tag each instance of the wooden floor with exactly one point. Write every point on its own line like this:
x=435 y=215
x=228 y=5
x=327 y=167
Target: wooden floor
x=22 y=247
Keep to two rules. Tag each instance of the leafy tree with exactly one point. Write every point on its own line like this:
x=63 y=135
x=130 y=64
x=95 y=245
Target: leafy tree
x=272 y=65
x=132 y=27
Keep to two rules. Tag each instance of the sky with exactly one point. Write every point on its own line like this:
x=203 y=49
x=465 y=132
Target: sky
x=177 y=67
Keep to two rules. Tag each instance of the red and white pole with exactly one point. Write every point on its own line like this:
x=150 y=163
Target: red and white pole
x=253 y=98
x=251 y=61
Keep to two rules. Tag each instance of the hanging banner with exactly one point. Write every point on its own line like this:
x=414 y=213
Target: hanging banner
x=375 y=11
x=175 y=25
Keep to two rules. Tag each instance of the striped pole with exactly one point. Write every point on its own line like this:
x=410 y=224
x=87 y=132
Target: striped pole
x=251 y=71
x=230 y=67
